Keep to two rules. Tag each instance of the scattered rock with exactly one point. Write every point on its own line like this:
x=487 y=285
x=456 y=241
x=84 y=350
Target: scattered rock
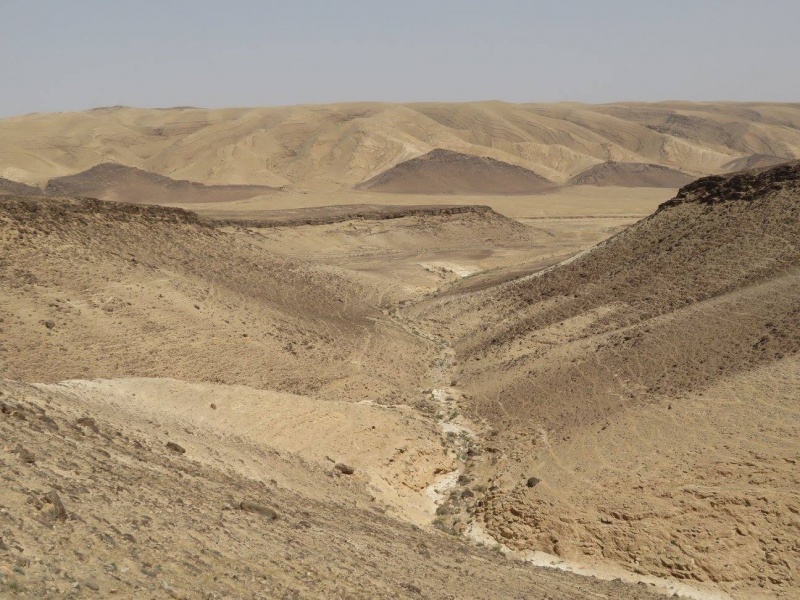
x=25 y=455
x=89 y=423
x=176 y=448
x=59 y=512
x=91 y=584
x=260 y=509
x=49 y=324
x=32 y=499
x=149 y=571
x=213 y=406
x=49 y=422
x=532 y=481
x=411 y=588
x=344 y=469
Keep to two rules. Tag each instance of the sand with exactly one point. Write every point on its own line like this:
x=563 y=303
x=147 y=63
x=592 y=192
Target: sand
x=559 y=373
x=631 y=175
x=335 y=147
x=446 y=172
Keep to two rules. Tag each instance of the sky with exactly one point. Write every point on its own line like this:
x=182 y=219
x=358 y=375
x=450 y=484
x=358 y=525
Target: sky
x=79 y=54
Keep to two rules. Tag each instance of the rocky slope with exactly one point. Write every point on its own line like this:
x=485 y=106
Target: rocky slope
x=630 y=175
x=445 y=172
x=650 y=383
x=104 y=289
x=110 y=181
x=99 y=499
x=8 y=187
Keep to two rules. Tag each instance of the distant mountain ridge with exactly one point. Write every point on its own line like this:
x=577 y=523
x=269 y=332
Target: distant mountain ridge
x=339 y=146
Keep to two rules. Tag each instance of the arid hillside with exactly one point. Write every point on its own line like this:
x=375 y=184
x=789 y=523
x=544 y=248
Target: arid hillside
x=339 y=146
x=754 y=161
x=109 y=181
x=721 y=239
x=650 y=383
x=14 y=188
x=446 y=172
x=97 y=289
x=576 y=389
x=200 y=398
x=630 y=175
x=104 y=495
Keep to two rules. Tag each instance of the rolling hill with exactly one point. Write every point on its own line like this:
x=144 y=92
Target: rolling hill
x=185 y=397
x=9 y=187
x=446 y=172
x=630 y=175
x=203 y=304
x=110 y=181
x=646 y=384
x=633 y=407
x=338 y=146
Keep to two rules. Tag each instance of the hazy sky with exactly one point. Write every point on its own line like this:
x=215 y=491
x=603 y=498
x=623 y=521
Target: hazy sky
x=77 y=54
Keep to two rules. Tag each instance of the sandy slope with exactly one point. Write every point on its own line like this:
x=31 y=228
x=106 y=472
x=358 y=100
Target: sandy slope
x=651 y=385
x=109 y=181
x=231 y=516
x=394 y=449
x=8 y=187
x=335 y=146
x=631 y=175
x=108 y=289
x=446 y=172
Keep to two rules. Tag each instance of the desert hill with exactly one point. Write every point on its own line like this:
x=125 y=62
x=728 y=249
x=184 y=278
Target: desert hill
x=630 y=175
x=193 y=385
x=721 y=240
x=631 y=406
x=446 y=172
x=754 y=161
x=230 y=301
x=16 y=188
x=630 y=380
x=121 y=183
x=201 y=303
x=338 y=146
